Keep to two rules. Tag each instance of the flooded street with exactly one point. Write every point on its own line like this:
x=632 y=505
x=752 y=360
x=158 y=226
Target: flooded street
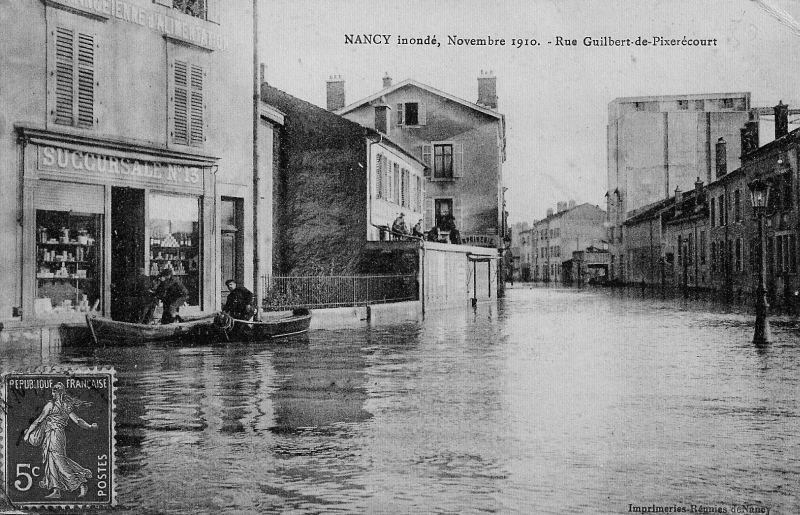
x=554 y=401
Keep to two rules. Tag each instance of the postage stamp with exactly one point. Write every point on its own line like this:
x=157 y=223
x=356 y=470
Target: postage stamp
x=58 y=437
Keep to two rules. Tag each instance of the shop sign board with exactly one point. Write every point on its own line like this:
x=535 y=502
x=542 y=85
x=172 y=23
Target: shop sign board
x=176 y=27
x=61 y=163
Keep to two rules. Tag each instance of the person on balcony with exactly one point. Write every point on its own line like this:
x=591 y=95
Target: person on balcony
x=417 y=230
x=240 y=301
x=399 y=226
x=172 y=294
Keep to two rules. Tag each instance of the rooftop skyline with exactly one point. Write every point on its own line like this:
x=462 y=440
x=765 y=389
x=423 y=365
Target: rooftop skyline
x=555 y=98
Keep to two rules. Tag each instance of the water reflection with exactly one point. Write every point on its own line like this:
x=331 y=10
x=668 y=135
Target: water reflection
x=554 y=401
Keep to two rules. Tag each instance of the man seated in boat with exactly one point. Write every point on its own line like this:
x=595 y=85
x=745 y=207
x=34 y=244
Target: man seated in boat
x=140 y=299
x=240 y=301
x=172 y=294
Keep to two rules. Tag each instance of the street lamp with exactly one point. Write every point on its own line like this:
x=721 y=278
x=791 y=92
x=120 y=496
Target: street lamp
x=759 y=196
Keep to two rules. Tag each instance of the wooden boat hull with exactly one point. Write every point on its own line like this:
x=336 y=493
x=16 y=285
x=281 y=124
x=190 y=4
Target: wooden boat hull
x=111 y=332
x=270 y=328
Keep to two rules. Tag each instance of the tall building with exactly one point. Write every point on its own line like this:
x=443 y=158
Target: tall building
x=660 y=143
x=129 y=129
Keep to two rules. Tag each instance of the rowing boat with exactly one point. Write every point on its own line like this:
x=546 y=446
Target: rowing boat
x=269 y=327
x=106 y=331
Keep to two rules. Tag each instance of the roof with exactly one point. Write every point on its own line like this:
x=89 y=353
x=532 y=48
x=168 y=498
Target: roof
x=649 y=211
x=411 y=82
x=271 y=95
x=691 y=96
x=562 y=213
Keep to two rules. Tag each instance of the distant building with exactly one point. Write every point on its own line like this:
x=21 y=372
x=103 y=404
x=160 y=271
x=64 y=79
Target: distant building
x=517 y=247
x=554 y=238
x=659 y=143
x=336 y=185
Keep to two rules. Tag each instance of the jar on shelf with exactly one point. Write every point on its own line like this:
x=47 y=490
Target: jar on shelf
x=64 y=235
x=83 y=236
x=42 y=231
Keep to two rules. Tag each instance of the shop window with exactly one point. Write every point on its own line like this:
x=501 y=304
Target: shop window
x=175 y=240
x=231 y=241
x=73 y=78
x=188 y=117
x=68 y=262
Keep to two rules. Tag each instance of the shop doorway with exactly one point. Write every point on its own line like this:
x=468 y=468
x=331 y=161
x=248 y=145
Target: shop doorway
x=127 y=246
x=232 y=241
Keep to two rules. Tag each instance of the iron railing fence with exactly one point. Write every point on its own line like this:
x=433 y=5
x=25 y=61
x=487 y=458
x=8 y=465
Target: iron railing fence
x=290 y=292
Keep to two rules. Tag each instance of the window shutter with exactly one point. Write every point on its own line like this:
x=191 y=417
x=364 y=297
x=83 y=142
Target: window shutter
x=427 y=150
x=457 y=214
x=85 y=80
x=386 y=177
x=422 y=114
x=197 y=107
x=165 y=3
x=379 y=176
x=399 y=114
x=396 y=184
x=429 y=215
x=458 y=160
x=418 y=204
x=213 y=11
x=64 y=75
x=180 y=104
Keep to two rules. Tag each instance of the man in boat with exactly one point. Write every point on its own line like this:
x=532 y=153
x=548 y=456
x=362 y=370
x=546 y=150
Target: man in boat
x=240 y=301
x=172 y=293
x=141 y=300
x=399 y=226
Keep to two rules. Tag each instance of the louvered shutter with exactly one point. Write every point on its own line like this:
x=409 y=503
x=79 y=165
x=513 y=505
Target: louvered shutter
x=422 y=114
x=196 y=108
x=427 y=150
x=399 y=114
x=85 y=68
x=386 y=177
x=458 y=160
x=418 y=203
x=213 y=11
x=64 y=75
x=180 y=103
x=165 y=3
x=429 y=214
x=396 y=184
x=379 y=176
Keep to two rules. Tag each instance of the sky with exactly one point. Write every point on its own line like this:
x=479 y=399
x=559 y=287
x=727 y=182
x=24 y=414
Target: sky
x=555 y=98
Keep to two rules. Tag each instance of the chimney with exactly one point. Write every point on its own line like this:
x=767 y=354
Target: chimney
x=678 y=196
x=571 y=204
x=722 y=157
x=561 y=206
x=781 y=119
x=387 y=81
x=698 y=187
x=749 y=135
x=335 y=91
x=550 y=212
x=487 y=89
x=382 y=118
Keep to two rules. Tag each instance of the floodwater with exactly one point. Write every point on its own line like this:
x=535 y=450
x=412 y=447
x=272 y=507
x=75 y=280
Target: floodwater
x=553 y=401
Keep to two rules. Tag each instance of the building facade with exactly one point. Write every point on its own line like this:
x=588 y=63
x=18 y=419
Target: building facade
x=337 y=185
x=554 y=238
x=113 y=118
x=659 y=143
x=462 y=143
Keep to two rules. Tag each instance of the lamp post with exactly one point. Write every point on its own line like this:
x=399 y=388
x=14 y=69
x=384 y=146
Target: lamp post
x=759 y=196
